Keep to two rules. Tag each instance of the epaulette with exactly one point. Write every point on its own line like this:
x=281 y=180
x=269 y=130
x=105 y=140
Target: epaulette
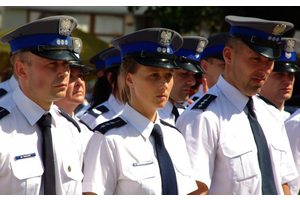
x=195 y=98
x=69 y=118
x=85 y=125
x=204 y=102
x=166 y=123
x=267 y=101
x=95 y=112
x=3 y=112
x=106 y=126
x=2 y=92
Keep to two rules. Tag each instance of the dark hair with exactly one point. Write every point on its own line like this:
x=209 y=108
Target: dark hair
x=103 y=87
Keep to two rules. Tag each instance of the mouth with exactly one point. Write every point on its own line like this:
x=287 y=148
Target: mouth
x=61 y=85
x=162 y=97
x=259 y=80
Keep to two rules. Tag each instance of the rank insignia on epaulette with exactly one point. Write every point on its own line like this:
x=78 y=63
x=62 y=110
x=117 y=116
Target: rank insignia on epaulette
x=95 y=112
x=3 y=112
x=114 y=123
x=204 y=102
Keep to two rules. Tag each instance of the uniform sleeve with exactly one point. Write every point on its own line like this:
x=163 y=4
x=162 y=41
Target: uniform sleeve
x=199 y=135
x=292 y=128
x=100 y=174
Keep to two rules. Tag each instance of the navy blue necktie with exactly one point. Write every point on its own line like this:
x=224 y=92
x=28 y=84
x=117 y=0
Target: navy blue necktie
x=48 y=158
x=168 y=177
x=268 y=184
x=175 y=112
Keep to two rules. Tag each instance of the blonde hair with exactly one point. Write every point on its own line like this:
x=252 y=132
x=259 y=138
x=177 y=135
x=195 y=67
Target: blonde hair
x=129 y=65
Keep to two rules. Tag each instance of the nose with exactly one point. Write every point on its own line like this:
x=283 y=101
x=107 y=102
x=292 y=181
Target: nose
x=63 y=69
x=191 y=80
x=165 y=83
x=266 y=65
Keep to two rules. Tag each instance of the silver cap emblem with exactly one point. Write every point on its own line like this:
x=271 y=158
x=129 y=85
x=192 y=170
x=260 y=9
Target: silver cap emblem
x=165 y=38
x=65 y=27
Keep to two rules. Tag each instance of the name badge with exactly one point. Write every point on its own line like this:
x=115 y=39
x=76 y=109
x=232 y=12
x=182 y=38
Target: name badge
x=142 y=163
x=25 y=156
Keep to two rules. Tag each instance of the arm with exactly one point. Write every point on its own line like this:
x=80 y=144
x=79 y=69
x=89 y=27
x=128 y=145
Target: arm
x=89 y=193
x=202 y=189
x=286 y=189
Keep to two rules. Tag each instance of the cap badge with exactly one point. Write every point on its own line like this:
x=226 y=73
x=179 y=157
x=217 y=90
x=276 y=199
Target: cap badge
x=65 y=27
x=290 y=45
x=165 y=38
x=288 y=55
x=77 y=44
x=279 y=29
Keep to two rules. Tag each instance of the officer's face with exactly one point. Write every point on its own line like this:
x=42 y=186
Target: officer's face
x=278 y=87
x=183 y=80
x=76 y=91
x=245 y=69
x=150 y=88
x=213 y=67
x=44 y=81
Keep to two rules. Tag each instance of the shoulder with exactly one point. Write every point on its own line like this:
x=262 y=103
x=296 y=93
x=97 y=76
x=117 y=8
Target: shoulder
x=69 y=118
x=267 y=101
x=204 y=102
x=113 y=123
x=168 y=124
x=99 y=110
x=3 y=112
x=2 y=92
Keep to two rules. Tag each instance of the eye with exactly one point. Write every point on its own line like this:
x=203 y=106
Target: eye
x=154 y=75
x=169 y=75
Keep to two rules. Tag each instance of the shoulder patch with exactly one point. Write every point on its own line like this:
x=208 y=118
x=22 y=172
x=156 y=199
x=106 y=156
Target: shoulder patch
x=2 y=92
x=204 y=102
x=95 y=112
x=3 y=112
x=69 y=118
x=113 y=123
x=267 y=101
x=166 y=123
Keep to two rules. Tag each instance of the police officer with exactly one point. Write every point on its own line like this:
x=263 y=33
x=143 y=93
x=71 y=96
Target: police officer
x=40 y=150
x=279 y=85
x=235 y=140
x=188 y=59
x=75 y=94
x=106 y=103
x=212 y=63
x=127 y=155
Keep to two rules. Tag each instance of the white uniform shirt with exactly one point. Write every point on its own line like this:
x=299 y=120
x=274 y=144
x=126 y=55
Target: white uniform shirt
x=20 y=135
x=109 y=161
x=166 y=112
x=9 y=85
x=292 y=125
x=114 y=107
x=85 y=134
x=195 y=96
x=221 y=144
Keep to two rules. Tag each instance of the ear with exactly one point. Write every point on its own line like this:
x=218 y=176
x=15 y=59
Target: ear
x=227 y=54
x=128 y=80
x=20 y=69
x=108 y=76
x=203 y=65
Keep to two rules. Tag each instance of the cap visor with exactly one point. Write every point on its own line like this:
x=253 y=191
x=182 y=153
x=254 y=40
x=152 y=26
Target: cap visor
x=189 y=66
x=285 y=67
x=57 y=55
x=157 y=62
x=267 y=52
x=85 y=69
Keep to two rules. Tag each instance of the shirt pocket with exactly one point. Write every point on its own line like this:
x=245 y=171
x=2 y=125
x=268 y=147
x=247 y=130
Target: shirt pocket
x=139 y=170
x=242 y=162
x=279 y=155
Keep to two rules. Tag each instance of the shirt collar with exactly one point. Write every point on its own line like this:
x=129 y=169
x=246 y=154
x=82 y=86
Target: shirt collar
x=138 y=121
x=13 y=83
x=167 y=109
x=238 y=99
x=32 y=111
x=116 y=105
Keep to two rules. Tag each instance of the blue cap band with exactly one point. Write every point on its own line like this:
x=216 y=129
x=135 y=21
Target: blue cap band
x=254 y=32
x=143 y=46
x=111 y=60
x=99 y=64
x=48 y=39
x=284 y=58
x=188 y=54
x=212 y=50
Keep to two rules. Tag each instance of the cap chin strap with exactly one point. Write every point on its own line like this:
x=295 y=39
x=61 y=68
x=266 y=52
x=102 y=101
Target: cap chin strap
x=257 y=41
x=148 y=54
x=45 y=48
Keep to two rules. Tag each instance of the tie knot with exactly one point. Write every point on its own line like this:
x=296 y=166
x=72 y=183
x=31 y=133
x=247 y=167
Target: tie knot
x=45 y=121
x=156 y=132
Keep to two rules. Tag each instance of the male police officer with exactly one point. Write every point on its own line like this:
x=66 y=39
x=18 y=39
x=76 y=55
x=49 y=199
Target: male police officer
x=188 y=59
x=40 y=150
x=236 y=143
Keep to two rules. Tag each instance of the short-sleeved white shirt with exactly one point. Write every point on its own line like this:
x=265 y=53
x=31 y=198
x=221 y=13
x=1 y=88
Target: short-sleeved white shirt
x=292 y=125
x=111 y=158
x=166 y=112
x=9 y=85
x=114 y=107
x=221 y=144
x=20 y=135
